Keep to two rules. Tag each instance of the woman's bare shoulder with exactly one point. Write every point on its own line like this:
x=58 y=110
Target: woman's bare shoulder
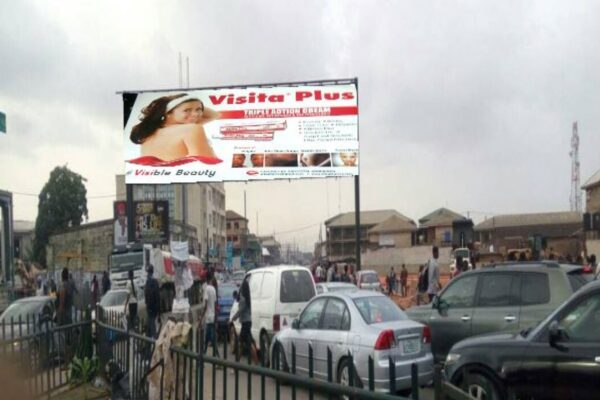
x=180 y=129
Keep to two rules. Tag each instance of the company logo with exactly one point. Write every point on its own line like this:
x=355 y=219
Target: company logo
x=252 y=172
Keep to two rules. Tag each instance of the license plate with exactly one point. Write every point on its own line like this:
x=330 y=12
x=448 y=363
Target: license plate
x=410 y=346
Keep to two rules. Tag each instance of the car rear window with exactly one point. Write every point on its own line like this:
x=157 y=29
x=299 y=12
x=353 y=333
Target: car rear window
x=379 y=309
x=578 y=279
x=296 y=286
x=369 y=278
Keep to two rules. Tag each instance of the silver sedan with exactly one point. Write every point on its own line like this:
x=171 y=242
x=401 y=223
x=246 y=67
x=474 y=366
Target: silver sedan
x=364 y=324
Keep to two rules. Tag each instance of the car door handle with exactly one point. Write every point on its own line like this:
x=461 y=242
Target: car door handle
x=465 y=318
x=510 y=318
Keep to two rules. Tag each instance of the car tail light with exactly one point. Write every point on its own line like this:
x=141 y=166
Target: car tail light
x=386 y=340
x=426 y=335
x=276 y=323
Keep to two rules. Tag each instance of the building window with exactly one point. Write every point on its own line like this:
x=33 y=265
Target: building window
x=236 y=225
x=228 y=226
x=235 y=239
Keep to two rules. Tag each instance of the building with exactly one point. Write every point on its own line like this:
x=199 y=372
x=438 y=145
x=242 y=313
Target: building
x=592 y=193
x=436 y=228
x=393 y=232
x=341 y=232
x=86 y=248
x=560 y=231
x=592 y=214
x=23 y=232
x=201 y=205
x=237 y=232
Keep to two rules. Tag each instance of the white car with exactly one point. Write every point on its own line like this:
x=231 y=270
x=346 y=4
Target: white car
x=277 y=294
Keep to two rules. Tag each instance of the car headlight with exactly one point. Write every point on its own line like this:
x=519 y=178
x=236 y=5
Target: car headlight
x=452 y=358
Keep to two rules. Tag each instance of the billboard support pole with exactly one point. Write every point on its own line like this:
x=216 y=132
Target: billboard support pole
x=130 y=211
x=357 y=193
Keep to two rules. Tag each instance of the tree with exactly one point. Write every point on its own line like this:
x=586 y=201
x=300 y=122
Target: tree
x=62 y=204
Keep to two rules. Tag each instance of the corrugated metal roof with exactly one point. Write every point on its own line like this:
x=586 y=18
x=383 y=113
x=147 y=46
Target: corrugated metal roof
x=511 y=220
x=394 y=224
x=441 y=216
x=373 y=217
x=593 y=181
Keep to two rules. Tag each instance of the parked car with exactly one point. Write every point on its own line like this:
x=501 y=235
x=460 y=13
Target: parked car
x=225 y=300
x=327 y=287
x=368 y=280
x=277 y=294
x=114 y=301
x=505 y=297
x=558 y=359
x=365 y=324
x=30 y=315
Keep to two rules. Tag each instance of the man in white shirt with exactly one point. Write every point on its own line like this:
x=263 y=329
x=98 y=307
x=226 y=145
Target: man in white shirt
x=210 y=304
x=320 y=273
x=433 y=272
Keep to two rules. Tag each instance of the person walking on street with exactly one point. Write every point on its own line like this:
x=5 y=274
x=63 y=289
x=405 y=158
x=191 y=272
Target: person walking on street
x=65 y=299
x=433 y=274
x=391 y=281
x=95 y=291
x=210 y=306
x=422 y=284
x=319 y=273
x=244 y=314
x=346 y=276
x=330 y=274
x=131 y=303
x=152 y=296
x=403 y=281
x=105 y=283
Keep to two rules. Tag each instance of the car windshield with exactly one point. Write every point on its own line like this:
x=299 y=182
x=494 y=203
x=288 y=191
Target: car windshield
x=114 y=298
x=578 y=279
x=296 y=286
x=369 y=278
x=379 y=309
x=22 y=309
x=226 y=291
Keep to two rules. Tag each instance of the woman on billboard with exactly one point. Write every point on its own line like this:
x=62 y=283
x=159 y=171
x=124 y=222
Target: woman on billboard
x=172 y=127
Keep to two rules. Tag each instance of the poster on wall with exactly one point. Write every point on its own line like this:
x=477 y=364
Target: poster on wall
x=151 y=221
x=253 y=133
x=120 y=223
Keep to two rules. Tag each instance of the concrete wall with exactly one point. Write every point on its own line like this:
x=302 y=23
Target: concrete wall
x=382 y=259
x=401 y=239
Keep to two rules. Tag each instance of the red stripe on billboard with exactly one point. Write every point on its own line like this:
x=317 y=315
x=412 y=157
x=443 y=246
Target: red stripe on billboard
x=298 y=112
x=157 y=162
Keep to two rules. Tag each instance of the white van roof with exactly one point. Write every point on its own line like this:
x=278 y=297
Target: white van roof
x=274 y=268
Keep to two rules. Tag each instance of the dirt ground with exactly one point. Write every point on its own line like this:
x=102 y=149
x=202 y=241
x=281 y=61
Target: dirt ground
x=411 y=299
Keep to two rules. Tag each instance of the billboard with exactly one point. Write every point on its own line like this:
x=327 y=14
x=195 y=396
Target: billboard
x=120 y=223
x=241 y=134
x=151 y=221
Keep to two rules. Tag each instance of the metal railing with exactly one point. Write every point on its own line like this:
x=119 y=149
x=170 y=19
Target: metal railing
x=41 y=350
x=224 y=374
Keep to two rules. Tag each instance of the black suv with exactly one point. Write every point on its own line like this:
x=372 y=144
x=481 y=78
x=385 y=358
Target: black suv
x=506 y=297
x=558 y=359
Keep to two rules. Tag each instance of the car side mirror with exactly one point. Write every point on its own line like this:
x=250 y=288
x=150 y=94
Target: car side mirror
x=556 y=334
x=296 y=324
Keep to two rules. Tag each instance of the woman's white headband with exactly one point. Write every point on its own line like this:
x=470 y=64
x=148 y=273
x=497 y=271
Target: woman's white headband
x=180 y=100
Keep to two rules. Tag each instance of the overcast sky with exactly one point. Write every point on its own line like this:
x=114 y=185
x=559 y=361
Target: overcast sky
x=467 y=105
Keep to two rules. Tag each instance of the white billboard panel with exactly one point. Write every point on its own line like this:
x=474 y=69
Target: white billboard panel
x=208 y=135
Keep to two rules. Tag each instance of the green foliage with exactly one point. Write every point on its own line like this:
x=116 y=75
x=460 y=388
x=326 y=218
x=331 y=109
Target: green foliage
x=62 y=204
x=83 y=370
x=85 y=347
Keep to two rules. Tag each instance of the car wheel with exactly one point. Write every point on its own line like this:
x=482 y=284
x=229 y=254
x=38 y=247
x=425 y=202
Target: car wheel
x=343 y=377
x=265 y=343
x=481 y=387
x=278 y=361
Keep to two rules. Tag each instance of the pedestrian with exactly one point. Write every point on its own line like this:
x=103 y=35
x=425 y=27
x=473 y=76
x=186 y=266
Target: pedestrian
x=404 y=281
x=433 y=274
x=53 y=292
x=352 y=275
x=131 y=303
x=458 y=266
x=346 y=276
x=422 y=284
x=65 y=299
x=152 y=297
x=330 y=273
x=320 y=273
x=105 y=283
x=244 y=313
x=336 y=274
x=391 y=281
x=210 y=308
x=95 y=291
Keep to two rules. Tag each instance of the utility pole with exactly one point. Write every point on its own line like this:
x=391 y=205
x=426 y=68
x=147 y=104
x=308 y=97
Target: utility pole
x=575 y=175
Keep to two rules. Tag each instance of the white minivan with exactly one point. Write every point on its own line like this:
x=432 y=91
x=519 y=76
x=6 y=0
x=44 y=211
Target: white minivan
x=277 y=295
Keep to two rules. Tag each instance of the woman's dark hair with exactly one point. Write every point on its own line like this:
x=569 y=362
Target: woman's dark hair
x=153 y=118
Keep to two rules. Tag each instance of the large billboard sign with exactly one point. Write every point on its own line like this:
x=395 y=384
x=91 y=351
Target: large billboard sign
x=151 y=220
x=254 y=133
